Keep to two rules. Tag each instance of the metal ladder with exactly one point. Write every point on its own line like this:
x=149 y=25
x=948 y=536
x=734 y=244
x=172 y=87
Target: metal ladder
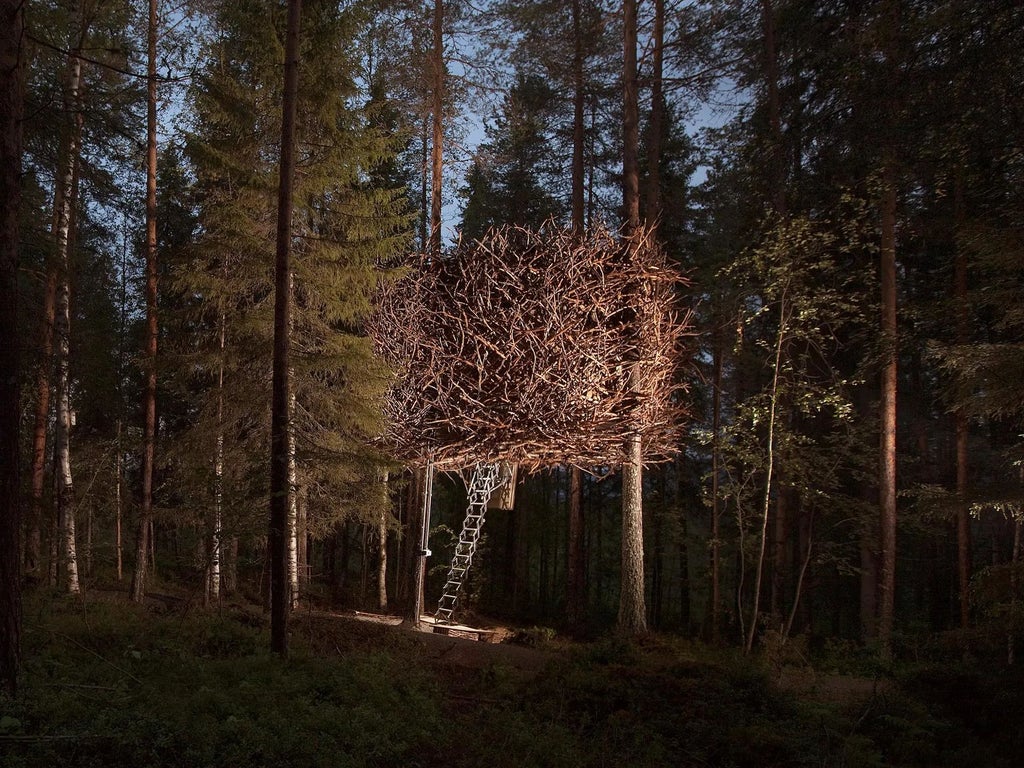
x=486 y=479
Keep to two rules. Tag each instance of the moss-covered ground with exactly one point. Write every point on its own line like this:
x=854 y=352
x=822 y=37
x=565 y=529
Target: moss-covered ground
x=109 y=684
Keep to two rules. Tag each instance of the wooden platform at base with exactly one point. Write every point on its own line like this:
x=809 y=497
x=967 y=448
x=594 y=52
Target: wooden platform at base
x=458 y=630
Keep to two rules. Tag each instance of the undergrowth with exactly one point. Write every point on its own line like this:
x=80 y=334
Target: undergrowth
x=109 y=684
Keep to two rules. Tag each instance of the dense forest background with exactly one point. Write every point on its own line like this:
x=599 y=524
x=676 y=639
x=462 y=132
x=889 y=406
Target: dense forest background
x=841 y=182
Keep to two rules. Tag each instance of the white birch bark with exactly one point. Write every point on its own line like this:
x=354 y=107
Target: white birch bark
x=382 y=560
x=218 y=474
x=65 y=482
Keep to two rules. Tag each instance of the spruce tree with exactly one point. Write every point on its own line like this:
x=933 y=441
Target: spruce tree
x=346 y=227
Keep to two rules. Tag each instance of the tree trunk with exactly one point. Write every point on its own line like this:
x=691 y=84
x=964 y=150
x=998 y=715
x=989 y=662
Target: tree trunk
x=293 y=508
x=575 y=570
x=1011 y=636
x=118 y=504
x=302 y=535
x=963 y=518
x=280 y=407
x=630 y=123
x=437 y=84
x=382 y=555
x=887 y=453
x=632 y=610
x=769 y=469
x=62 y=329
x=578 y=135
x=657 y=116
x=422 y=533
x=218 y=467
x=67 y=160
x=33 y=544
x=632 y=616
x=716 y=452
x=142 y=543
x=11 y=102
x=230 y=574
x=574 y=566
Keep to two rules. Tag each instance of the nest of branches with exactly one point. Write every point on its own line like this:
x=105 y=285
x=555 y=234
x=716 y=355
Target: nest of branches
x=535 y=347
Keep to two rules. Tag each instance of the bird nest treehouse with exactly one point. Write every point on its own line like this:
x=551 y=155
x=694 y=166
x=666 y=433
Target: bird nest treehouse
x=531 y=348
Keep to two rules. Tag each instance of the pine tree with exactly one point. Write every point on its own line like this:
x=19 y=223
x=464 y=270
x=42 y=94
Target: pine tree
x=512 y=176
x=347 y=222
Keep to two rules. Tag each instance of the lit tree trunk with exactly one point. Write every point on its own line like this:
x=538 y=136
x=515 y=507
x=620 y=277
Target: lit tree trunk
x=1011 y=637
x=769 y=468
x=293 y=507
x=887 y=453
x=293 y=479
x=424 y=185
x=218 y=469
x=119 y=460
x=230 y=566
x=33 y=544
x=62 y=330
x=280 y=407
x=963 y=519
x=778 y=199
x=302 y=535
x=437 y=77
x=11 y=101
x=716 y=453
x=118 y=503
x=574 y=567
x=67 y=159
x=423 y=481
x=632 y=616
x=382 y=559
x=142 y=542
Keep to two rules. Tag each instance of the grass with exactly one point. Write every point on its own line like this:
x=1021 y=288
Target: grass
x=109 y=684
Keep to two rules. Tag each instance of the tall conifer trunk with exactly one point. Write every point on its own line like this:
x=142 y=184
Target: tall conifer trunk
x=280 y=407
x=887 y=448
x=716 y=453
x=11 y=100
x=963 y=519
x=574 y=601
x=216 y=533
x=142 y=537
x=632 y=617
x=657 y=118
x=437 y=85
x=293 y=472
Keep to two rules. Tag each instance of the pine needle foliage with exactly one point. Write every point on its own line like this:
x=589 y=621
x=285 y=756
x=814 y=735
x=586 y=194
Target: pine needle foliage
x=348 y=229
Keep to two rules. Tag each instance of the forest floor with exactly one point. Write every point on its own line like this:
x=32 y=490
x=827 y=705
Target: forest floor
x=171 y=684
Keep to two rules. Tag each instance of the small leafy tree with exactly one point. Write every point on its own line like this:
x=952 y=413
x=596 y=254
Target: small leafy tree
x=801 y=307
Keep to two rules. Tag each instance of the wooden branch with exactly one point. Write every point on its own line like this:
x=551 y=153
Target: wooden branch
x=537 y=347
